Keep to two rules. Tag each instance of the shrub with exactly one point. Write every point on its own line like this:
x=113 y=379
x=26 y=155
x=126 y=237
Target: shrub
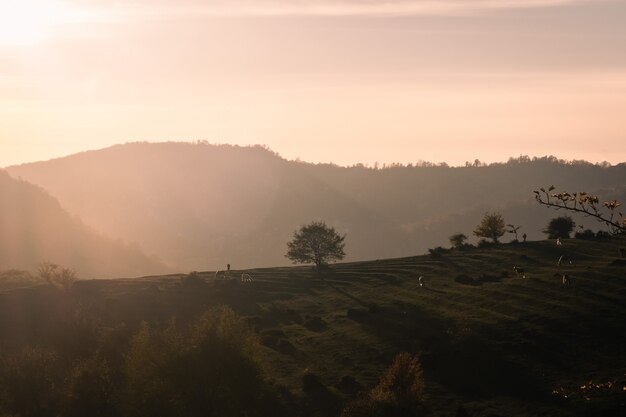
x=437 y=252
x=457 y=240
x=192 y=279
x=29 y=384
x=484 y=243
x=403 y=383
x=586 y=234
x=15 y=278
x=57 y=276
x=91 y=390
x=398 y=393
x=208 y=368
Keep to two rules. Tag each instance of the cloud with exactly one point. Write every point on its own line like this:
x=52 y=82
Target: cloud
x=155 y=8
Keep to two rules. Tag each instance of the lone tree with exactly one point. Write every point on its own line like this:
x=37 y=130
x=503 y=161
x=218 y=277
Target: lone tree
x=316 y=243
x=457 y=240
x=560 y=227
x=491 y=227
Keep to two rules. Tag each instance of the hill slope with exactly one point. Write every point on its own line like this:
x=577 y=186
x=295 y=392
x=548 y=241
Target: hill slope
x=34 y=228
x=497 y=343
x=200 y=206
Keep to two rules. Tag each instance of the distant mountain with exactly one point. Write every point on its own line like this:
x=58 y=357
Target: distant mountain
x=200 y=206
x=34 y=228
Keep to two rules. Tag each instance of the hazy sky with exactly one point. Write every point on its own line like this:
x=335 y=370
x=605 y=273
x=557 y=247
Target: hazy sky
x=325 y=80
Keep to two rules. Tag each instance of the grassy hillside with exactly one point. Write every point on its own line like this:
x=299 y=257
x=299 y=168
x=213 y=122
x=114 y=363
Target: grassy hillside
x=200 y=206
x=499 y=344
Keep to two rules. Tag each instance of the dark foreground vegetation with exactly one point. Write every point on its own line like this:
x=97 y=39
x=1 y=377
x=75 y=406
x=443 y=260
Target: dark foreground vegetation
x=479 y=340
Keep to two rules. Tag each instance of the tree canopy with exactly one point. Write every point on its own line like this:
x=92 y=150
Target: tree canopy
x=457 y=240
x=560 y=227
x=491 y=227
x=316 y=243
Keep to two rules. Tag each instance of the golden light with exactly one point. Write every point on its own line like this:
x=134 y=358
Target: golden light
x=27 y=22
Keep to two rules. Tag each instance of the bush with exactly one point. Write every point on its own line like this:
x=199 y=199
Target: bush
x=209 y=368
x=484 y=243
x=192 y=279
x=457 y=240
x=403 y=383
x=91 y=390
x=15 y=278
x=437 y=252
x=57 y=276
x=586 y=234
x=29 y=384
x=398 y=393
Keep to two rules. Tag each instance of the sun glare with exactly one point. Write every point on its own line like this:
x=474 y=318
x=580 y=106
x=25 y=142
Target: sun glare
x=27 y=22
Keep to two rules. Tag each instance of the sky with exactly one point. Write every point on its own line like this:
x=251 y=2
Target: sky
x=342 y=81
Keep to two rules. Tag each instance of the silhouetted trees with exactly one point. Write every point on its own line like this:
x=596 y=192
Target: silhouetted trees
x=491 y=227
x=316 y=243
x=457 y=240
x=53 y=274
x=560 y=227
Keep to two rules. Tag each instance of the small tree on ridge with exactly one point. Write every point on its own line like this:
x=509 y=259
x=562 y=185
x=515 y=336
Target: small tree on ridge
x=316 y=243
x=491 y=227
x=560 y=227
x=457 y=240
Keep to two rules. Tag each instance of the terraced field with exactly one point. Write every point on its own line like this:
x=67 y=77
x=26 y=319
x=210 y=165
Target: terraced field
x=494 y=342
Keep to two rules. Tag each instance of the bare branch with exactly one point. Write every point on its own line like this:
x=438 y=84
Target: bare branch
x=585 y=204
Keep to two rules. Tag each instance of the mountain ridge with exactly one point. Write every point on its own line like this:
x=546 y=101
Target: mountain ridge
x=35 y=228
x=201 y=206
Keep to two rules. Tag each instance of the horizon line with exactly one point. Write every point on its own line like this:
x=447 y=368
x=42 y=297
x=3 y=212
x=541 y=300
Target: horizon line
x=375 y=165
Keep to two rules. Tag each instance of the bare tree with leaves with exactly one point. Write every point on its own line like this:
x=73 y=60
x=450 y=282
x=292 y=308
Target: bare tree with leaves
x=513 y=230
x=588 y=205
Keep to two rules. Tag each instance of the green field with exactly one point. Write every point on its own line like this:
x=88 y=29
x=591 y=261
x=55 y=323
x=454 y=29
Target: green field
x=498 y=344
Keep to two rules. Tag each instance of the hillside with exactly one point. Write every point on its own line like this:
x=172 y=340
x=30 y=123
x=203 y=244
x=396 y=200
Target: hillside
x=200 y=206
x=35 y=228
x=499 y=344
